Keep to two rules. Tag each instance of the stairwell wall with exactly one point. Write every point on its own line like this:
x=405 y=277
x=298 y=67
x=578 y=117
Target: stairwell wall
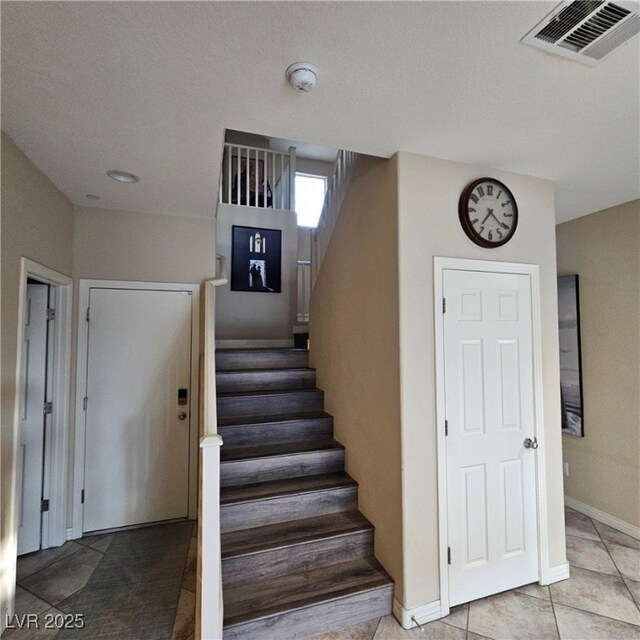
x=355 y=348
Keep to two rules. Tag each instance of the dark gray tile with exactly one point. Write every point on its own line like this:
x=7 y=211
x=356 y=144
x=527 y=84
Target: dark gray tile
x=190 y=571
x=99 y=542
x=33 y=562
x=64 y=577
x=27 y=603
x=185 y=620
x=42 y=629
x=143 y=609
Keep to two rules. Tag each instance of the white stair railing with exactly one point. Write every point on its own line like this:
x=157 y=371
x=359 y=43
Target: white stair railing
x=209 y=581
x=255 y=177
x=304 y=289
x=333 y=198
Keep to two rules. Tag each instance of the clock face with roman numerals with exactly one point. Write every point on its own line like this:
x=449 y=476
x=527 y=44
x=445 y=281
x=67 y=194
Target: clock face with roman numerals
x=488 y=212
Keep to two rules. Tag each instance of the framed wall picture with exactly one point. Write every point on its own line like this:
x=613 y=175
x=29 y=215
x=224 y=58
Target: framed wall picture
x=256 y=259
x=570 y=356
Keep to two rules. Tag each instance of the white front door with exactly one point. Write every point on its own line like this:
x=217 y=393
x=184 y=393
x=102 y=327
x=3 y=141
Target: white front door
x=32 y=418
x=137 y=415
x=489 y=404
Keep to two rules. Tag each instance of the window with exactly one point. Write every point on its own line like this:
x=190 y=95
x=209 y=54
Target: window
x=309 y=198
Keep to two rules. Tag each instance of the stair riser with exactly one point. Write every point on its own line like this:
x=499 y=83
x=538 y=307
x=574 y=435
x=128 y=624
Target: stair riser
x=248 y=359
x=300 y=557
x=228 y=382
x=244 y=515
x=276 y=432
x=269 y=405
x=237 y=472
x=319 y=618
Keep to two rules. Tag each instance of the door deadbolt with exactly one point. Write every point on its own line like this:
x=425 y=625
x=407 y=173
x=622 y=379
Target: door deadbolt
x=531 y=444
x=183 y=416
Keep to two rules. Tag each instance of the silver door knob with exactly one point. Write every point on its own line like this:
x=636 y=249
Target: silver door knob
x=531 y=444
x=183 y=416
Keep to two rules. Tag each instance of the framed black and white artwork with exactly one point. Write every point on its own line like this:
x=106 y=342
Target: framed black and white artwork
x=570 y=356
x=256 y=259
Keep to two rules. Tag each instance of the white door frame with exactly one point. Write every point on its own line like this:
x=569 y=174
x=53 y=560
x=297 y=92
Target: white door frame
x=531 y=270
x=81 y=386
x=56 y=449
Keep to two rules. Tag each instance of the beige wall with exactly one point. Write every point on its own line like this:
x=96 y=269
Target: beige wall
x=604 y=466
x=372 y=322
x=118 y=245
x=243 y=315
x=37 y=223
x=354 y=345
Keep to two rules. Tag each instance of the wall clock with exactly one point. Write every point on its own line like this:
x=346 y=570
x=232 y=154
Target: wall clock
x=488 y=212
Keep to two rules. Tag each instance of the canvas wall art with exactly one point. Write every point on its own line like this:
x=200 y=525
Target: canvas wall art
x=256 y=259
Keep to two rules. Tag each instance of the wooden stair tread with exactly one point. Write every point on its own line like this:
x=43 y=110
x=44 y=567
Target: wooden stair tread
x=280 y=595
x=282 y=393
x=292 y=532
x=291 y=486
x=232 y=421
x=278 y=371
x=280 y=449
x=263 y=350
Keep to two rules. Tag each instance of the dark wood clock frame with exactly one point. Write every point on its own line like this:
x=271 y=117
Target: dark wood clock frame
x=463 y=215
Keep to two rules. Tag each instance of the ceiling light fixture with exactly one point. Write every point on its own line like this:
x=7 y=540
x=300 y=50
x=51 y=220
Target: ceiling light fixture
x=93 y=196
x=303 y=76
x=122 y=176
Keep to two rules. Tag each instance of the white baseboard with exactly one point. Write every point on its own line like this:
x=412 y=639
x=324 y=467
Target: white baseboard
x=69 y=534
x=556 y=574
x=254 y=344
x=605 y=518
x=426 y=613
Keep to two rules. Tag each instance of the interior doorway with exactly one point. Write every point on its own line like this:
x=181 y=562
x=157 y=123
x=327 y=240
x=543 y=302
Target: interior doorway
x=41 y=421
x=136 y=416
x=492 y=499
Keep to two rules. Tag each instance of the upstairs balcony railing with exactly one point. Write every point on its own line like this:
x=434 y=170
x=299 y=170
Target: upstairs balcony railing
x=254 y=177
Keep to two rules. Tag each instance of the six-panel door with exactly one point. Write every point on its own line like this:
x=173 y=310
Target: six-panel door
x=489 y=396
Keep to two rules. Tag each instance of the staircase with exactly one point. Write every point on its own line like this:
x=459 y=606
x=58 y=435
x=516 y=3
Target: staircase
x=297 y=555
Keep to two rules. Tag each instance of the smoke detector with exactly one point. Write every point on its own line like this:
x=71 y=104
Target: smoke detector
x=586 y=30
x=303 y=76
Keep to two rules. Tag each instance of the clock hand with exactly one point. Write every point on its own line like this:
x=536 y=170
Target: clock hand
x=502 y=224
x=488 y=214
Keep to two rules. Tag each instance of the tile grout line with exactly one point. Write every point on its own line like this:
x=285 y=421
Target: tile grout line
x=553 y=608
x=50 y=564
x=624 y=582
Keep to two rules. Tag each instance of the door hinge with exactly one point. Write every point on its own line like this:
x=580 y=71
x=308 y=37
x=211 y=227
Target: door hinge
x=87 y=314
x=44 y=505
x=84 y=403
x=446 y=427
x=51 y=314
x=48 y=407
x=448 y=555
x=444 y=305
x=82 y=497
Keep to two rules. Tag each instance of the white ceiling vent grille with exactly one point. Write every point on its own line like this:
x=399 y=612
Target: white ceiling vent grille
x=586 y=30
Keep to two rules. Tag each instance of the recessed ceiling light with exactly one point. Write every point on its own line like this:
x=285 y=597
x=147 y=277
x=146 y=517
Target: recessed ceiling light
x=122 y=176
x=93 y=196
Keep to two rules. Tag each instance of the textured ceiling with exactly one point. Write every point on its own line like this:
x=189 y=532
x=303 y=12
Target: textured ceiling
x=149 y=87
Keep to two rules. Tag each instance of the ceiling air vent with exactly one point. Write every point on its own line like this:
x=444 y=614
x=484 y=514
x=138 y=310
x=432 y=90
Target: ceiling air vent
x=586 y=30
